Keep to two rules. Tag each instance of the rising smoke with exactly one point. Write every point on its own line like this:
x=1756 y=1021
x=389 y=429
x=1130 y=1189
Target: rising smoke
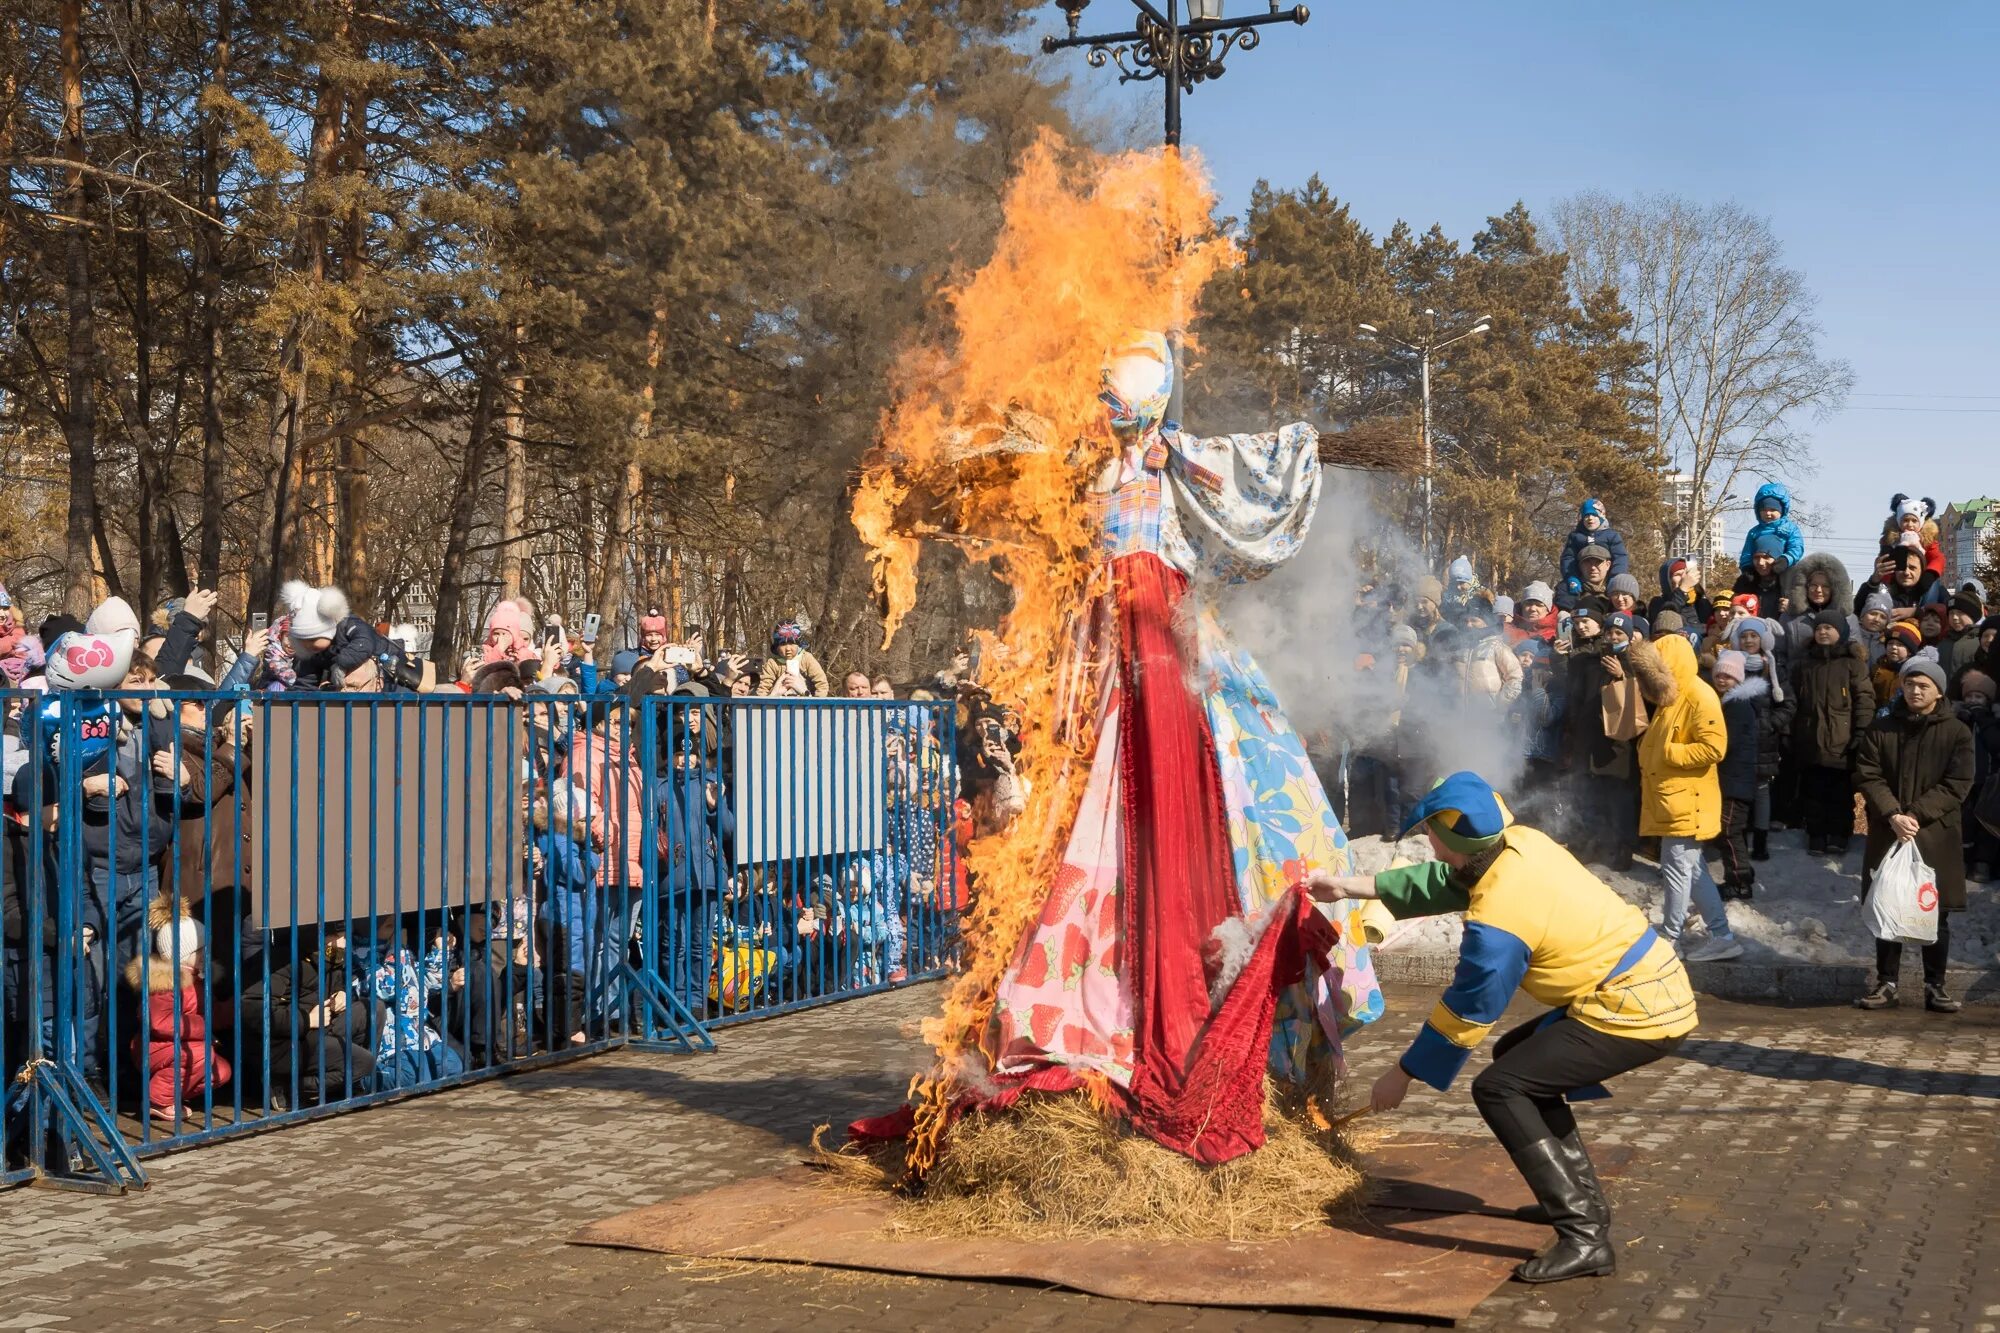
x=1306 y=629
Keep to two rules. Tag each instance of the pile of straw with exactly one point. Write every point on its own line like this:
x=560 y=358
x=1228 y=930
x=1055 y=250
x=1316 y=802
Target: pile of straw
x=1055 y=1166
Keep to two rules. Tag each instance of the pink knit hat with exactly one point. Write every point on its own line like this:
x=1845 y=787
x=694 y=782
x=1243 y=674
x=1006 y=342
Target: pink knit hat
x=509 y=636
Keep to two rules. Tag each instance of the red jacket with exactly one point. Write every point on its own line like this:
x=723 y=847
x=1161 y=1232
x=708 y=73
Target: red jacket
x=1519 y=628
x=174 y=1075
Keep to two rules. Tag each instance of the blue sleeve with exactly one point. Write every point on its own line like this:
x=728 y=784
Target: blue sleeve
x=586 y=676
x=1750 y=544
x=1491 y=963
x=725 y=820
x=1570 y=548
x=1614 y=541
x=239 y=673
x=1795 y=542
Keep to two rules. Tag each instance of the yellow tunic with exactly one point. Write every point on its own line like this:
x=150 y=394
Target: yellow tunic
x=1538 y=921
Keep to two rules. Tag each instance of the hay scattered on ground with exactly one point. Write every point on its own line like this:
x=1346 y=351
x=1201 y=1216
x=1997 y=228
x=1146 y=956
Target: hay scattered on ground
x=1055 y=1166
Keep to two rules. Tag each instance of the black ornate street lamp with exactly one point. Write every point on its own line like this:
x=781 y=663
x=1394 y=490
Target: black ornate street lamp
x=1181 y=53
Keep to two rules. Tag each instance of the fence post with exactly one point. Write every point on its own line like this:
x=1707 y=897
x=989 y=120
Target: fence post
x=74 y=1141
x=665 y=1021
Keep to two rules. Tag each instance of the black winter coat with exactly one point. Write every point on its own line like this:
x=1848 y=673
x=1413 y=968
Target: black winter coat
x=1923 y=767
x=1693 y=606
x=1775 y=711
x=1585 y=746
x=1899 y=597
x=1738 y=770
x=1835 y=701
x=1768 y=591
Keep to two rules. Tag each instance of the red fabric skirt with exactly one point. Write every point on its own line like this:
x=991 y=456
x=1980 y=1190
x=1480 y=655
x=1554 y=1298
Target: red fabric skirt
x=1198 y=1077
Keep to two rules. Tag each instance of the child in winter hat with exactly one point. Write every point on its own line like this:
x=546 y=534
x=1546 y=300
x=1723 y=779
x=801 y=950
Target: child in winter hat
x=1774 y=519
x=1593 y=528
x=1913 y=522
x=313 y=614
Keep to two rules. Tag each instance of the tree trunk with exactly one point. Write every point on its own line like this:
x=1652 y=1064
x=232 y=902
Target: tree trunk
x=611 y=590
x=80 y=421
x=450 y=596
x=209 y=256
x=352 y=518
x=514 y=508
x=283 y=442
x=10 y=91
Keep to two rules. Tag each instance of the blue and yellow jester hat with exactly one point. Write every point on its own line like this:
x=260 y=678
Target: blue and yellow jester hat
x=1464 y=811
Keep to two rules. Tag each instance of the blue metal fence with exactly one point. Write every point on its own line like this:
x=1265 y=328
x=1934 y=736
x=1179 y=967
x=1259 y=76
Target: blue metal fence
x=230 y=912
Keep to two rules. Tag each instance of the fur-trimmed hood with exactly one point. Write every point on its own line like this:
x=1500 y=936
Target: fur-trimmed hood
x=1753 y=688
x=1649 y=667
x=1893 y=530
x=1837 y=578
x=567 y=825
x=156 y=975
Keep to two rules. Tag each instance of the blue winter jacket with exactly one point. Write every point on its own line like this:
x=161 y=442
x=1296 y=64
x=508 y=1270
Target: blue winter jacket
x=1784 y=527
x=1608 y=538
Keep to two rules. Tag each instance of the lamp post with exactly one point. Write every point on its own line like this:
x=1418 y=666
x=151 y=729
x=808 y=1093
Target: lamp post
x=1180 y=53
x=1430 y=345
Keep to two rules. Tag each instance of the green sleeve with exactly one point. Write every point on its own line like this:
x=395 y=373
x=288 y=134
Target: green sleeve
x=1424 y=889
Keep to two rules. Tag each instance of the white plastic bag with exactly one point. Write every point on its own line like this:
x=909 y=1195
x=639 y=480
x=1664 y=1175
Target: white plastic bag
x=1903 y=900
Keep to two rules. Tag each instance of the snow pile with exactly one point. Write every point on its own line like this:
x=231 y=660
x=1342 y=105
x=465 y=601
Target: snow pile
x=1806 y=909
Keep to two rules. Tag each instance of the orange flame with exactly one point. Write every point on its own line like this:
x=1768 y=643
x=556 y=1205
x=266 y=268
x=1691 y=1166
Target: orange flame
x=1001 y=430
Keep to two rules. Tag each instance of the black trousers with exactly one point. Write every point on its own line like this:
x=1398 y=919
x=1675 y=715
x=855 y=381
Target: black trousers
x=1733 y=845
x=1889 y=955
x=1826 y=799
x=1521 y=1093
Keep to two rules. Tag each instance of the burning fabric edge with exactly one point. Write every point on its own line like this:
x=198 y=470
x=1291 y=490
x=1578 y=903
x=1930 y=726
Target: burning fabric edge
x=1169 y=798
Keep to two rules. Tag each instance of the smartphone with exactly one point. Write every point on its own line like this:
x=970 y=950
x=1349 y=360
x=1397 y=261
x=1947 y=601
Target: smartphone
x=972 y=669
x=260 y=621
x=590 y=624
x=554 y=633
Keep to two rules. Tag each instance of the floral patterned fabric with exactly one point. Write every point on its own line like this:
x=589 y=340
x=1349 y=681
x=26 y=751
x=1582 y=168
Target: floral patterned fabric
x=1065 y=1001
x=1239 y=505
x=1282 y=828
x=1221 y=510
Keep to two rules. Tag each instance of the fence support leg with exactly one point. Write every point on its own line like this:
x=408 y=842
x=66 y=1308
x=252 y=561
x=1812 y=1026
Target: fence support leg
x=665 y=1012
x=69 y=1121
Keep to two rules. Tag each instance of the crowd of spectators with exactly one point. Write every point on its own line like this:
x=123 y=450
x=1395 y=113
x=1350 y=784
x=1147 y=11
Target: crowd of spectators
x=180 y=984
x=1687 y=728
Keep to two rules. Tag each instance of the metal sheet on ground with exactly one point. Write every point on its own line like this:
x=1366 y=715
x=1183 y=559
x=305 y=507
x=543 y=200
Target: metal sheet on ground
x=1433 y=1248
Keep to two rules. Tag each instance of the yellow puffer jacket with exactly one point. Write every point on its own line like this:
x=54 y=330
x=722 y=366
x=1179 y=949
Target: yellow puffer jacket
x=1680 y=793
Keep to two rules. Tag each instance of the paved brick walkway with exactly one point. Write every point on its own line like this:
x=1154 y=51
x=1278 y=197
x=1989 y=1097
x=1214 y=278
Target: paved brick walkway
x=1798 y=1169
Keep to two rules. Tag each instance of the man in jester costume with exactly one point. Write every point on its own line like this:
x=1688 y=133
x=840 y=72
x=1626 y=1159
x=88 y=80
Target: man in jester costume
x=1535 y=920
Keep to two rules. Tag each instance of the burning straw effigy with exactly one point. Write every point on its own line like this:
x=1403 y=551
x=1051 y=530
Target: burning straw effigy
x=1137 y=950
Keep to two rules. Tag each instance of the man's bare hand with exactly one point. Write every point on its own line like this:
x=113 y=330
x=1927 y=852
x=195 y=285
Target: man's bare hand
x=1389 y=1090
x=1340 y=888
x=1905 y=826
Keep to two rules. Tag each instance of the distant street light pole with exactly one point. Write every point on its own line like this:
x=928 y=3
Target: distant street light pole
x=1431 y=344
x=1180 y=53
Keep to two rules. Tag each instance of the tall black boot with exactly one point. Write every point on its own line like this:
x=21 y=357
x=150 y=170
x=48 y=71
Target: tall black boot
x=1582 y=1247
x=1760 y=844
x=1579 y=1164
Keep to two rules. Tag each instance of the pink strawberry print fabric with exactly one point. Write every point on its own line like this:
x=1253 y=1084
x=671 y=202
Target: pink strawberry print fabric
x=1064 y=1001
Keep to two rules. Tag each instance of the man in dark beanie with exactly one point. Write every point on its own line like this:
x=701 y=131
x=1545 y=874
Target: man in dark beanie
x=1914 y=769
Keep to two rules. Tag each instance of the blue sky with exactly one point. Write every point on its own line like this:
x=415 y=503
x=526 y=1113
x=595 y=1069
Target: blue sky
x=1865 y=132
